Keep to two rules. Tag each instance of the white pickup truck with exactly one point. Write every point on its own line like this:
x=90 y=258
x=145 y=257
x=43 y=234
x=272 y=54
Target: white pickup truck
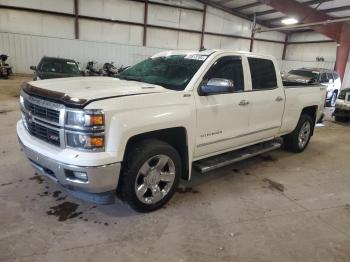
x=138 y=134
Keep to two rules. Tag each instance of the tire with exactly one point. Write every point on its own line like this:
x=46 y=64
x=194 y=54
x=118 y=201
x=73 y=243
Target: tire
x=340 y=119
x=147 y=167
x=295 y=141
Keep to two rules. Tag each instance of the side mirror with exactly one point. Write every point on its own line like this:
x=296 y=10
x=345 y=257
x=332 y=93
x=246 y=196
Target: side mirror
x=331 y=81
x=216 y=86
x=33 y=68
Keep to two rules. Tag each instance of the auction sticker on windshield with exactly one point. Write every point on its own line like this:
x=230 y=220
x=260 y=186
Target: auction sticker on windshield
x=196 y=57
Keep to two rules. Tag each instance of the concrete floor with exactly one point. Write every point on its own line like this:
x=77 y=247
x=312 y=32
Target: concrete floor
x=276 y=207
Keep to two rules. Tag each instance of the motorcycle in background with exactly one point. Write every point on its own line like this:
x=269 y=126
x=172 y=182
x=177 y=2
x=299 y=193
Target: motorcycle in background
x=91 y=70
x=5 y=69
x=109 y=69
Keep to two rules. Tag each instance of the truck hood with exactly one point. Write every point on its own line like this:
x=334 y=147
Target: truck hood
x=79 y=91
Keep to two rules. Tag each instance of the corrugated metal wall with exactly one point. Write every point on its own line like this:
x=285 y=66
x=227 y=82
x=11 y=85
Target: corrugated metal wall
x=27 y=36
x=26 y=50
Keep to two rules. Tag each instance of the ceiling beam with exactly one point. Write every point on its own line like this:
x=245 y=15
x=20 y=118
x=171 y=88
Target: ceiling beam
x=232 y=12
x=336 y=9
x=329 y=10
x=271 y=11
x=222 y=2
x=242 y=7
x=307 y=14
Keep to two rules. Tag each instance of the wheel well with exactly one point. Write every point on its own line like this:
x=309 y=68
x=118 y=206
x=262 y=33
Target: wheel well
x=312 y=112
x=336 y=91
x=176 y=137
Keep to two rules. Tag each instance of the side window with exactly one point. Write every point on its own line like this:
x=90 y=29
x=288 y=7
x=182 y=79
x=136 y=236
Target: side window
x=324 y=78
x=329 y=76
x=263 y=73
x=229 y=67
x=335 y=75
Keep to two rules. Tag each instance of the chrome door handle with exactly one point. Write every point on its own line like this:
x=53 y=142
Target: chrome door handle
x=279 y=99
x=243 y=103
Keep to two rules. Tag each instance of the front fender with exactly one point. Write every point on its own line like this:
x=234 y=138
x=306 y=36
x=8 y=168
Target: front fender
x=125 y=125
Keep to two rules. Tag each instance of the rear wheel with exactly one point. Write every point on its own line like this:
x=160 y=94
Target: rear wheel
x=150 y=175
x=298 y=140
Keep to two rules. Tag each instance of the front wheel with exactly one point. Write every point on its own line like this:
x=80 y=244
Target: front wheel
x=150 y=176
x=298 y=140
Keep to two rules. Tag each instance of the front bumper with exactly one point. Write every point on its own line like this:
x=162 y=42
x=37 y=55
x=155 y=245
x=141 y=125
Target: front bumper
x=342 y=109
x=102 y=180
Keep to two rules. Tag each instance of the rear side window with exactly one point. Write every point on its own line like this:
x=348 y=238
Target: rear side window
x=335 y=75
x=324 y=78
x=229 y=67
x=263 y=73
x=329 y=76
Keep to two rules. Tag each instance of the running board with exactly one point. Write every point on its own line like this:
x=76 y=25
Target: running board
x=214 y=162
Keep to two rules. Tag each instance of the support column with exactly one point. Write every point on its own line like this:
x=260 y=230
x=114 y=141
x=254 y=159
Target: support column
x=285 y=47
x=203 y=26
x=145 y=18
x=252 y=35
x=251 y=42
x=76 y=19
x=342 y=59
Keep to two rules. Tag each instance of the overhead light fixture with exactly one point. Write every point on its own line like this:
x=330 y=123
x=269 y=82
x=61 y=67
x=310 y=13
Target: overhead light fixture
x=289 y=21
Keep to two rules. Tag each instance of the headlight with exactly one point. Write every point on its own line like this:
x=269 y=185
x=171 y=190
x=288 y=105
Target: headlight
x=85 y=119
x=85 y=141
x=85 y=129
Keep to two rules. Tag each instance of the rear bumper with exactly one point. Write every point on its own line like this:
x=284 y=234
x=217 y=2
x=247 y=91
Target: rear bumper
x=99 y=186
x=341 y=112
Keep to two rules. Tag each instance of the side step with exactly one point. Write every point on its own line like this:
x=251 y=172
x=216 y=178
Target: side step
x=214 y=162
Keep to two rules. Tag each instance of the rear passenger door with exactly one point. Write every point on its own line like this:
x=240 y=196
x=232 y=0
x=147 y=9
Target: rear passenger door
x=266 y=98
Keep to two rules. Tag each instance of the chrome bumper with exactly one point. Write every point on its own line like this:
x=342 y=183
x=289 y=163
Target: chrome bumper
x=100 y=179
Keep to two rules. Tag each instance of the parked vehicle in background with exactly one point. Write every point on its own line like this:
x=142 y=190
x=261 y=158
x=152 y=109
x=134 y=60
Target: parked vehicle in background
x=322 y=76
x=141 y=133
x=91 y=70
x=54 y=67
x=342 y=106
x=5 y=69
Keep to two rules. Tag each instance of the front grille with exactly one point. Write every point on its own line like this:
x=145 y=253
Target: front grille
x=42 y=112
x=44 y=133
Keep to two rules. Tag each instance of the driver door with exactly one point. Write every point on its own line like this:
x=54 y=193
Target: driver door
x=223 y=117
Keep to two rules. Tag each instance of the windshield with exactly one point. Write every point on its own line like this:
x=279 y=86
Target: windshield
x=63 y=67
x=172 y=72
x=306 y=73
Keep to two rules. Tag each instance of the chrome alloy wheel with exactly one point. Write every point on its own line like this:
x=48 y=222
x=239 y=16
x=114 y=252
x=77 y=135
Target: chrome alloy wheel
x=155 y=179
x=304 y=134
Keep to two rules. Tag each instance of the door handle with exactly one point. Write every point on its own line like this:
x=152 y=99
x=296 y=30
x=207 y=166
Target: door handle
x=279 y=99
x=243 y=103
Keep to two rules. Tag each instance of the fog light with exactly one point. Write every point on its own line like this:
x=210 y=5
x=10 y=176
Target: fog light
x=80 y=175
